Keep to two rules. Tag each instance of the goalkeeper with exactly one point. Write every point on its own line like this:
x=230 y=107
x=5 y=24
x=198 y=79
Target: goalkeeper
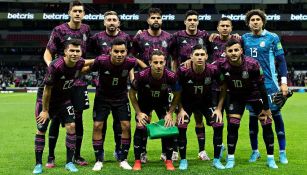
x=265 y=47
x=150 y=91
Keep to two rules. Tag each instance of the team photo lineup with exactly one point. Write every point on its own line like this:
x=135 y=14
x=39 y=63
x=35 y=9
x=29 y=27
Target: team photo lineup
x=211 y=77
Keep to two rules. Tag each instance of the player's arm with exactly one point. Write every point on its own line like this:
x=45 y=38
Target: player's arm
x=141 y=63
x=182 y=114
x=169 y=115
x=141 y=117
x=43 y=116
x=47 y=56
x=89 y=62
x=282 y=69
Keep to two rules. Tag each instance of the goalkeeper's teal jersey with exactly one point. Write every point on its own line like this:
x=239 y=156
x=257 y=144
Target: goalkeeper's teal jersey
x=264 y=49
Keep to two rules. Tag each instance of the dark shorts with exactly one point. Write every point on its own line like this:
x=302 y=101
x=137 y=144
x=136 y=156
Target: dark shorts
x=120 y=110
x=79 y=98
x=65 y=113
x=205 y=110
x=237 y=106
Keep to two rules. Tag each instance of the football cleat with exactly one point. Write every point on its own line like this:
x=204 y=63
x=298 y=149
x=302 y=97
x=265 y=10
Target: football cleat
x=71 y=167
x=137 y=165
x=271 y=163
x=144 y=157
x=124 y=164
x=183 y=165
x=163 y=157
x=230 y=163
x=217 y=164
x=98 y=166
x=203 y=155
x=50 y=163
x=283 y=158
x=38 y=169
x=169 y=165
x=80 y=161
x=255 y=156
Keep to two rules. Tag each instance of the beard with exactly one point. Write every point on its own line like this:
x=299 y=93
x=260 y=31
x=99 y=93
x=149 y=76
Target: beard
x=155 y=26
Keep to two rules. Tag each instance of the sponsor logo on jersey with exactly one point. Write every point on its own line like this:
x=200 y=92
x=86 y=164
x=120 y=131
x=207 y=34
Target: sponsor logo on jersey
x=107 y=72
x=207 y=80
x=164 y=44
x=184 y=42
x=200 y=41
x=262 y=44
x=146 y=44
x=104 y=44
x=84 y=37
x=190 y=81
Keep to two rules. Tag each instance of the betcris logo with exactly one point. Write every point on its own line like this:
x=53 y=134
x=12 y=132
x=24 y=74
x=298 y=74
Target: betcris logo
x=20 y=16
x=128 y=17
x=168 y=17
x=55 y=16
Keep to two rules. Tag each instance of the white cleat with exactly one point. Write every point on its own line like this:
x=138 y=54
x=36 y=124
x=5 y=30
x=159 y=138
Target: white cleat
x=124 y=164
x=163 y=157
x=98 y=166
x=203 y=155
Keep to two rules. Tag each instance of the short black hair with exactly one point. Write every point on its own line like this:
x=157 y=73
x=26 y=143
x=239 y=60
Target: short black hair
x=118 y=41
x=191 y=12
x=153 y=11
x=232 y=42
x=258 y=12
x=199 y=46
x=75 y=42
x=157 y=52
x=225 y=19
x=75 y=3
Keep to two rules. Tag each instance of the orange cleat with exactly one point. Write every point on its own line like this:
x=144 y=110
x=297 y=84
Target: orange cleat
x=169 y=165
x=137 y=165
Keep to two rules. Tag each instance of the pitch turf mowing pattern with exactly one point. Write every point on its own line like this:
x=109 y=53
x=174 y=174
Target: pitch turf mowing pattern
x=18 y=129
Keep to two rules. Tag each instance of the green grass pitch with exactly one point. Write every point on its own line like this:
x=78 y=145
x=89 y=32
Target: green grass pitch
x=18 y=128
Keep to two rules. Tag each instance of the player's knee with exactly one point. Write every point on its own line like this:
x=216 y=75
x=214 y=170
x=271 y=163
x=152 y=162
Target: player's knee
x=125 y=125
x=98 y=126
x=70 y=127
x=267 y=122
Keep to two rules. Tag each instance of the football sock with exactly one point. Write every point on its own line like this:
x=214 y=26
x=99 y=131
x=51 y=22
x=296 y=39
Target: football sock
x=268 y=136
x=200 y=132
x=79 y=133
x=137 y=141
x=125 y=148
x=98 y=149
x=217 y=140
x=280 y=130
x=117 y=134
x=232 y=137
x=169 y=147
x=53 y=135
x=253 y=131
x=182 y=142
x=70 y=146
x=39 y=148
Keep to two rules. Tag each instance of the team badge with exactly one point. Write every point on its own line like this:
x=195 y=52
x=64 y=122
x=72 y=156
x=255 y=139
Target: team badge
x=84 y=37
x=207 y=80
x=77 y=73
x=245 y=75
x=164 y=86
x=231 y=107
x=262 y=44
x=200 y=41
x=125 y=73
x=164 y=44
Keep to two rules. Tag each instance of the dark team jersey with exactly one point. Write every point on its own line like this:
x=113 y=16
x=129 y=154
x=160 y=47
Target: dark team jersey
x=101 y=42
x=61 y=78
x=217 y=48
x=143 y=44
x=61 y=33
x=112 y=79
x=242 y=81
x=196 y=88
x=154 y=90
x=183 y=43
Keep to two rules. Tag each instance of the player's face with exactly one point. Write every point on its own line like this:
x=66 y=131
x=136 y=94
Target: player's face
x=111 y=22
x=199 y=57
x=73 y=53
x=76 y=14
x=255 y=23
x=118 y=54
x=233 y=53
x=155 y=21
x=224 y=28
x=191 y=23
x=157 y=64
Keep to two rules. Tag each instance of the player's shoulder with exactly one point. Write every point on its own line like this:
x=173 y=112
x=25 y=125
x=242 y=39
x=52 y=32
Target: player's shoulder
x=170 y=73
x=202 y=33
x=270 y=34
x=103 y=58
x=144 y=73
x=166 y=34
x=251 y=61
x=99 y=34
x=182 y=69
x=57 y=63
x=131 y=59
x=85 y=27
x=61 y=27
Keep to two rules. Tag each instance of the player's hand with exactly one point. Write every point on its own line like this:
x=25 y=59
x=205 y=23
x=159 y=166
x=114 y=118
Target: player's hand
x=43 y=116
x=213 y=36
x=182 y=117
x=284 y=89
x=168 y=120
x=187 y=64
x=265 y=114
x=142 y=118
x=217 y=116
x=237 y=36
x=139 y=32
